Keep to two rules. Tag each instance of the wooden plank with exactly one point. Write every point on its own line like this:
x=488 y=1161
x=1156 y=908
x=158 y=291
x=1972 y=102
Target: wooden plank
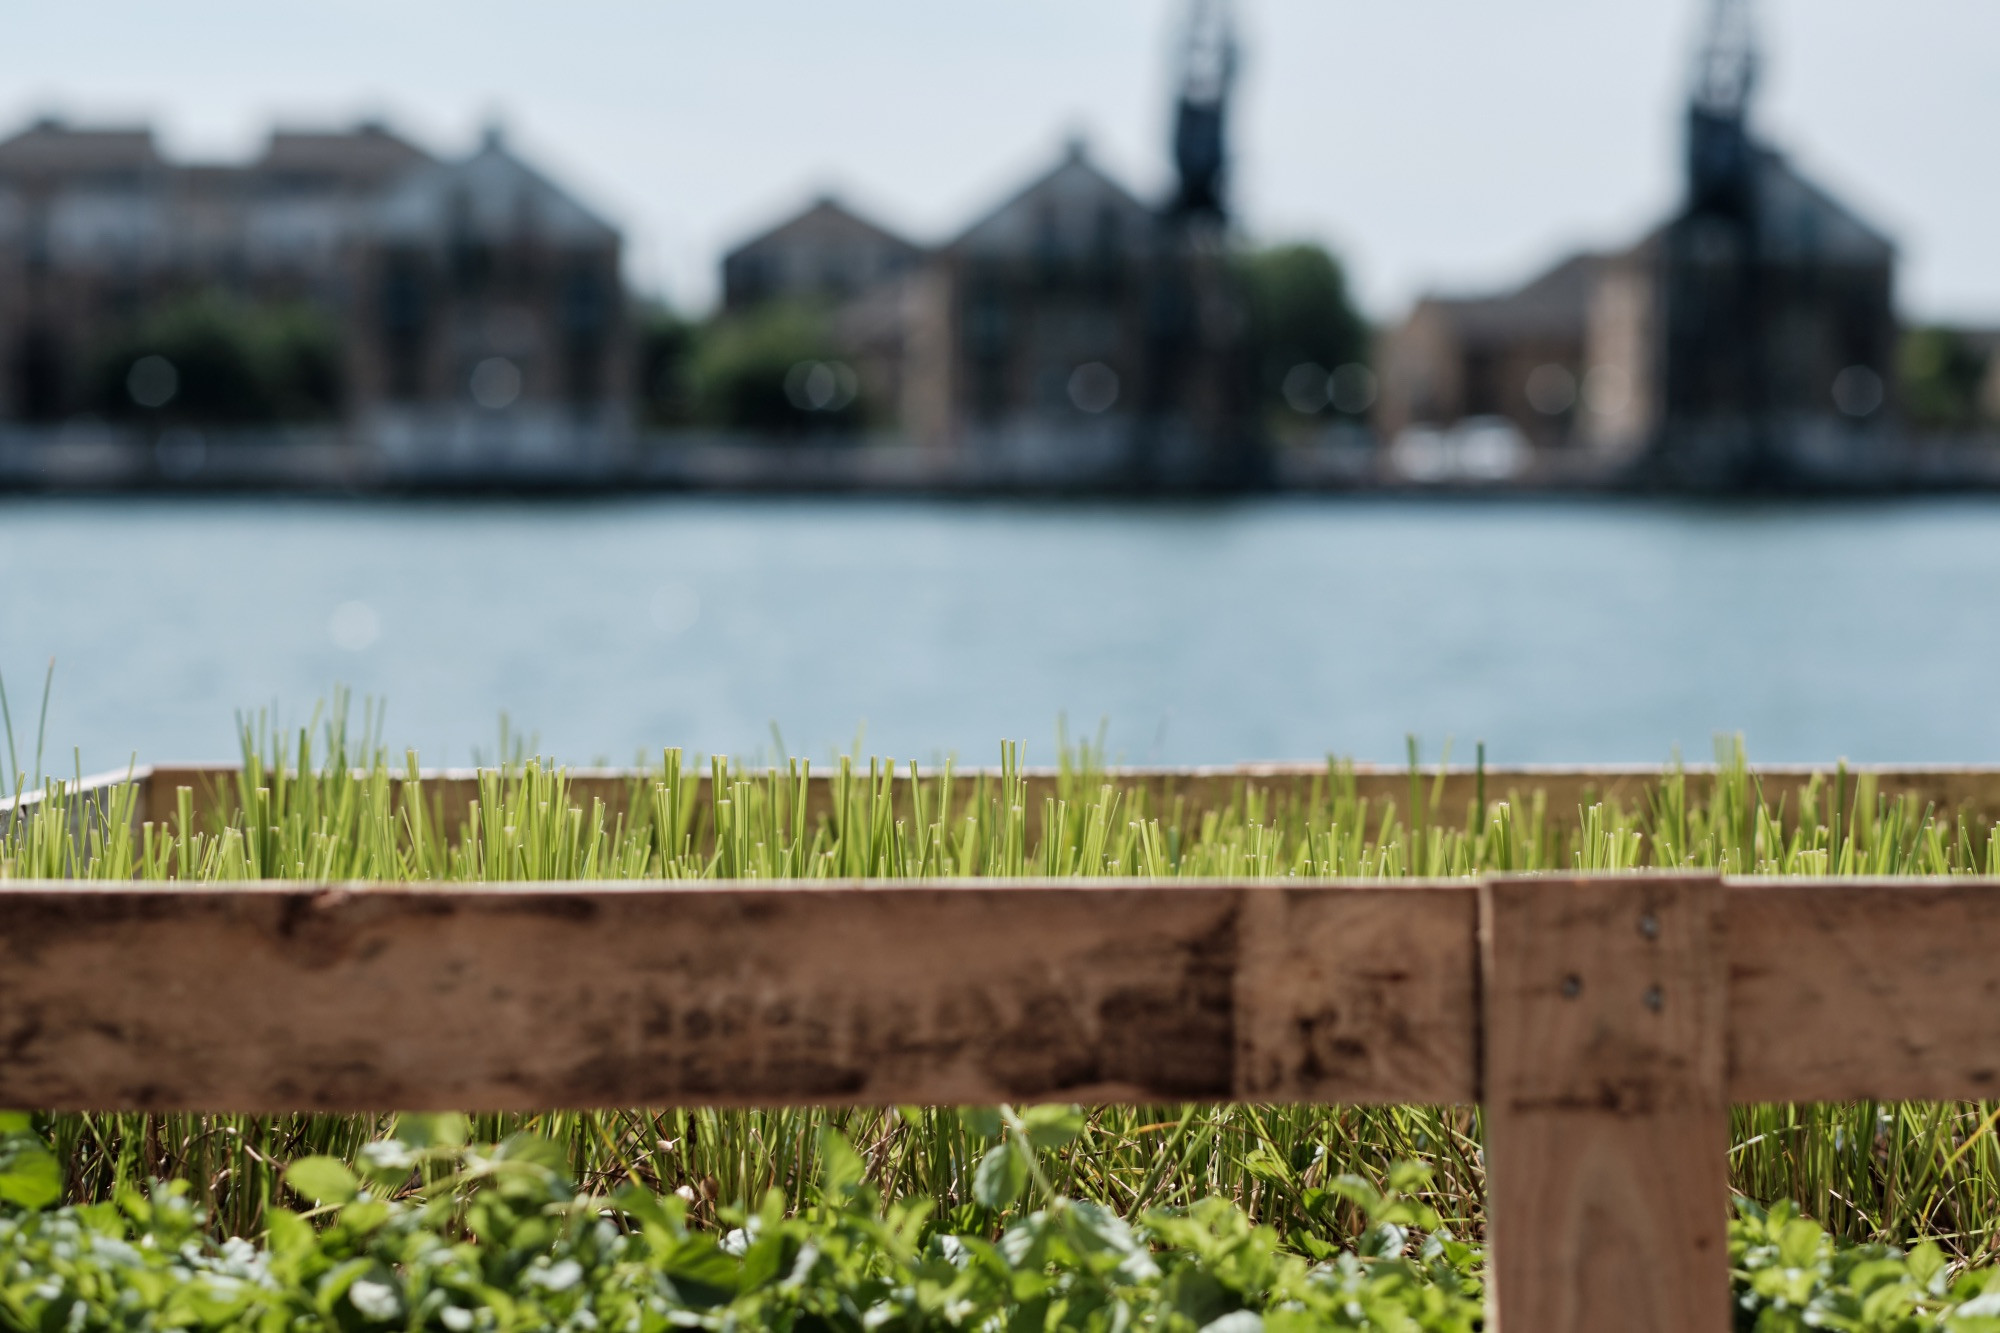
x=1369 y=995
x=269 y=998
x=1607 y=1130
x=1844 y=990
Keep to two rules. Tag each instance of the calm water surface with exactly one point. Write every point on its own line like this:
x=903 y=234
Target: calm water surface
x=1554 y=632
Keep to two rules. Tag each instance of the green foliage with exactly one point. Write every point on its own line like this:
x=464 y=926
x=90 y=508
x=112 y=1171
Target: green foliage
x=30 y=1175
x=1790 y=1276
x=432 y=1234
x=1947 y=379
x=742 y=361
x=235 y=363
x=438 y=1236
x=664 y=359
x=1300 y=312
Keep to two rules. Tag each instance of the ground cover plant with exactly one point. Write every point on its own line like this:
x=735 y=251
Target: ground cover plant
x=424 y=1231
x=328 y=803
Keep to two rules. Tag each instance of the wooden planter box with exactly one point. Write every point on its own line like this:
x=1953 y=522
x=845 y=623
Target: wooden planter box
x=1606 y=1024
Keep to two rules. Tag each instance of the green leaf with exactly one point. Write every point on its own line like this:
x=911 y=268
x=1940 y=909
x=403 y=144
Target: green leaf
x=1052 y=1126
x=1798 y=1243
x=1926 y=1261
x=1002 y=1175
x=32 y=1177
x=1358 y=1192
x=1267 y=1165
x=982 y=1122
x=375 y=1297
x=446 y=1129
x=1385 y=1240
x=287 y=1233
x=16 y=1122
x=665 y=1214
x=1236 y=1321
x=322 y=1179
x=358 y=1219
x=702 y=1273
x=841 y=1168
x=534 y=1149
x=386 y=1162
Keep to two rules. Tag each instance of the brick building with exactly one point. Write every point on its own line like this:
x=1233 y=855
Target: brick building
x=428 y=269
x=1758 y=319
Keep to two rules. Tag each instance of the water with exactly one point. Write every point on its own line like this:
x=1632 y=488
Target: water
x=1282 y=629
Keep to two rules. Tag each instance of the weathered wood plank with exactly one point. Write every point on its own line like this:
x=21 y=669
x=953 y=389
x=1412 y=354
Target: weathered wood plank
x=1843 y=990
x=1607 y=1128
x=1840 y=990
x=1370 y=996
x=261 y=998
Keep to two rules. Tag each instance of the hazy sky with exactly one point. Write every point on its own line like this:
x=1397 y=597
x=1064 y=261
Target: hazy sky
x=1436 y=143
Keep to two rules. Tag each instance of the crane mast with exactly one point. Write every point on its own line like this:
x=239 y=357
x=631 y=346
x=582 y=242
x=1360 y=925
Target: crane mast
x=1719 y=331
x=1726 y=67
x=1207 y=73
x=1720 y=153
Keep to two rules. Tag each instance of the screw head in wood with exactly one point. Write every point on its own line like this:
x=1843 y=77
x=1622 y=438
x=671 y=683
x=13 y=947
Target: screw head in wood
x=1649 y=926
x=1572 y=986
x=1656 y=999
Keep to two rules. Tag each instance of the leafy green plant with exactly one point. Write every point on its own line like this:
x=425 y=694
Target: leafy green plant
x=1791 y=1276
x=428 y=1233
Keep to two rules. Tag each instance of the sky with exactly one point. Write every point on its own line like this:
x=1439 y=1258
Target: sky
x=1436 y=145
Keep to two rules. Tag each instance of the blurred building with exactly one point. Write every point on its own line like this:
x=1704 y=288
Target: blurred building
x=1073 y=333
x=1076 y=325
x=97 y=229
x=427 y=269
x=855 y=273
x=1757 y=321
x=1777 y=318
x=1525 y=356
x=828 y=253
x=488 y=312
x=1037 y=314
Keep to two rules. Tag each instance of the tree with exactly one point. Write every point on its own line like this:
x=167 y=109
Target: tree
x=666 y=350
x=1301 y=315
x=225 y=363
x=774 y=368
x=1943 y=375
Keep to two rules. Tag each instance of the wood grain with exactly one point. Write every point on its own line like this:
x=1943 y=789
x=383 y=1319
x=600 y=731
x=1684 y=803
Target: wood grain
x=1839 y=990
x=1367 y=996
x=1604 y=1012
x=1843 y=990
x=262 y=998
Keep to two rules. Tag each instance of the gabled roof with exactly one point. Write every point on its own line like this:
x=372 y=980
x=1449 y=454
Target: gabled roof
x=1799 y=220
x=368 y=154
x=492 y=196
x=1064 y=213
x=1555 y=303
x=827 y=219
x=50 y=146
